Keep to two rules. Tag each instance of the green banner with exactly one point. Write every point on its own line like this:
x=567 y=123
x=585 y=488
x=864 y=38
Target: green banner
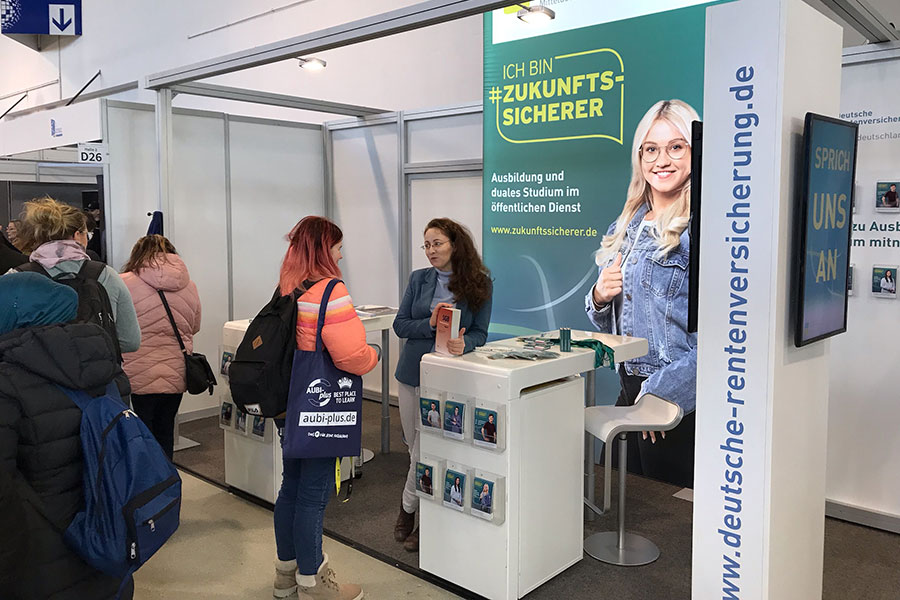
x=560 y=111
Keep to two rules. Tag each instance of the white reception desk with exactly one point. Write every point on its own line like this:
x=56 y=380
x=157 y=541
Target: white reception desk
x=535 y=528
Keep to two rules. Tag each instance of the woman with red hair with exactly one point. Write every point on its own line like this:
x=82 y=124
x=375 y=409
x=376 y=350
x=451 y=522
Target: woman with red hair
x=310 y=263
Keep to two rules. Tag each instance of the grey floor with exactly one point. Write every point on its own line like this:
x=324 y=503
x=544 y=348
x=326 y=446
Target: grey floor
x=225 y=548
x=860 y=563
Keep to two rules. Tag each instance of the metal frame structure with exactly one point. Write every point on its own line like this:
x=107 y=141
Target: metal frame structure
x=871 y=53
x=267 y=98
x=864 y=19
x=407 y=172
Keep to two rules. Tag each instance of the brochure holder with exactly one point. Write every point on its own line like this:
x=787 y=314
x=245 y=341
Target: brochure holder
x=259 y=428
x=488 y=499
x=457 y=417
x=431 y=405
x=240 y=421
x=226 y=415
x=489 y=425
x=226 y=355
x=429 y=468
x=455 y=487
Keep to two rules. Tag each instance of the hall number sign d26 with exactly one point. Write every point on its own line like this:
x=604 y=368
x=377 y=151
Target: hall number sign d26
x=97 y=154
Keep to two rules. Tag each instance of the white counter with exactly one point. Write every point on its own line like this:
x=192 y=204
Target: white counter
x=538 y=530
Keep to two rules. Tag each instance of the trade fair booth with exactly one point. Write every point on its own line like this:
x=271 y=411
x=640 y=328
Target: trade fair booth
x=230 y=187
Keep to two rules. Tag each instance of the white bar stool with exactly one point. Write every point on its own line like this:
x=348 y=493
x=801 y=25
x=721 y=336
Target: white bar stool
x=649 y=413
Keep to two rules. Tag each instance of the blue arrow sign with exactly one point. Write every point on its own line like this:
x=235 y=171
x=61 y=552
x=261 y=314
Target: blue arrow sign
x=63 y=23
x=47 y=17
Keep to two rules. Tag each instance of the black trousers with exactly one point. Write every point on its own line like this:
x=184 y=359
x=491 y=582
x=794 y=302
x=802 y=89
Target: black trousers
x=671 y=459
x=158 y=412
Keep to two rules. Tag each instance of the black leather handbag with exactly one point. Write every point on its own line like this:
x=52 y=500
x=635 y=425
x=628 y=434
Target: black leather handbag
x=198 y=374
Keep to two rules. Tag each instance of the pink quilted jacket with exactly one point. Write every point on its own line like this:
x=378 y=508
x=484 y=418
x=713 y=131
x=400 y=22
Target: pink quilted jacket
x=158 y=366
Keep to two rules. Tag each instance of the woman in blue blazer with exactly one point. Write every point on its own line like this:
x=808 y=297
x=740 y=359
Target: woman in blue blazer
x=456 y=278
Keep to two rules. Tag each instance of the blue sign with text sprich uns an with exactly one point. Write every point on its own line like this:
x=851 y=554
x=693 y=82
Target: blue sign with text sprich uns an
x=825 y=236
x=37 y=17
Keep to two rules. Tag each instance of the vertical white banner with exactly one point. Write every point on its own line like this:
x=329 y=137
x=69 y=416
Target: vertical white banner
x=761 y=403
x=739 y=191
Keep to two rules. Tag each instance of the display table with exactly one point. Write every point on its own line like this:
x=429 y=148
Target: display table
x=530 y=527
x=252 y=451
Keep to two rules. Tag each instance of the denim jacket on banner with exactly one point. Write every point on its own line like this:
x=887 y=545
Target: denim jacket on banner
x=654 y=303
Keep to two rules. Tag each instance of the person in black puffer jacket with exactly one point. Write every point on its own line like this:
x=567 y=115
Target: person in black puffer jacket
x=40 y=445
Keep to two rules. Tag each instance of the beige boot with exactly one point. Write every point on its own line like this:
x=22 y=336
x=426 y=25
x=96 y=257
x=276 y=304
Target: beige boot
x=285 y=579
x=324 y=586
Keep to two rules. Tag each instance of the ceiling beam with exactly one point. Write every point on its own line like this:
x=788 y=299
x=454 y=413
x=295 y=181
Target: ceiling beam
x=864 y=19
x=257 y=97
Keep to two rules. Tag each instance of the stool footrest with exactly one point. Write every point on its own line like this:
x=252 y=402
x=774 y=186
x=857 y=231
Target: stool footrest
x=594 y=508
x=636 y=552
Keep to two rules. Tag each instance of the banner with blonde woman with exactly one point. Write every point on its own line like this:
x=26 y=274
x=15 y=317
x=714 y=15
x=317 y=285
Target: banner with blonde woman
x=561 y=104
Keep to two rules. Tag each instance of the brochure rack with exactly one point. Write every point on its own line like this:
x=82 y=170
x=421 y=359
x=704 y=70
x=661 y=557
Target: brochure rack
x=253 y=452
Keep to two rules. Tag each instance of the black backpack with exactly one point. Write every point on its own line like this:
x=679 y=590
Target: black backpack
x=260 y=374
x=93 y=301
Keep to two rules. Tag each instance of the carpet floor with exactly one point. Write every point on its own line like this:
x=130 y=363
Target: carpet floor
x=860 y=563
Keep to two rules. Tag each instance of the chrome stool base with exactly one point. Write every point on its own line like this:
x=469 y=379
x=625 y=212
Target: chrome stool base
x=636 y=550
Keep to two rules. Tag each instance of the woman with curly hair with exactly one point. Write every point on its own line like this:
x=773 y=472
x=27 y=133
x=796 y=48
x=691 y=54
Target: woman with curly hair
x=456 y=278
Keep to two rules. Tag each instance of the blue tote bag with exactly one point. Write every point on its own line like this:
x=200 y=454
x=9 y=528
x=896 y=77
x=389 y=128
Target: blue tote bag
x=324 y=402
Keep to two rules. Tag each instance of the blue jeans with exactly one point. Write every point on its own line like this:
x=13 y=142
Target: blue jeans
x=300 y=510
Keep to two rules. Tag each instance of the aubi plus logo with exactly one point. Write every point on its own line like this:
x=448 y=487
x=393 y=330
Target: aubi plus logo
x=55 y=130
x=317 y=392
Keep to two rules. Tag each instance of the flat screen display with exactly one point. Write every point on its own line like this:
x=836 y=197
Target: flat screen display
x=825 y=225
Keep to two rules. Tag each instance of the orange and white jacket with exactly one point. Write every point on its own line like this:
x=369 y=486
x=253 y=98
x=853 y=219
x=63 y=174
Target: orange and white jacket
x=343 y=333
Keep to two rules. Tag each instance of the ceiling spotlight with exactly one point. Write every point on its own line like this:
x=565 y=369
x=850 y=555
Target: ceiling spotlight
x=312 y=64
x=536 y=15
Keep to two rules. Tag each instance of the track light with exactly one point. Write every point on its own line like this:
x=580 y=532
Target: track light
x=312 y=64
x=535 y=15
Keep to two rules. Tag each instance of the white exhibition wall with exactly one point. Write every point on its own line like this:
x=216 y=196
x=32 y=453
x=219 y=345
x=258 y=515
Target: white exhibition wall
x=370 y=160
x=864 y=404
x=262 y=175
x=365 y=205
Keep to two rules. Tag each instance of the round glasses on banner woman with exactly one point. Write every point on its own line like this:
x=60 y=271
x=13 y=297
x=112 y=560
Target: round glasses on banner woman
x=642 y=287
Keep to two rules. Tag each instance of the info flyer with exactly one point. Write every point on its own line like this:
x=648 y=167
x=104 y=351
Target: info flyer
x=561 y=103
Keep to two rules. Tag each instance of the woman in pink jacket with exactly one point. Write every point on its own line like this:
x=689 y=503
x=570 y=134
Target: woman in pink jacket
x=156 y=370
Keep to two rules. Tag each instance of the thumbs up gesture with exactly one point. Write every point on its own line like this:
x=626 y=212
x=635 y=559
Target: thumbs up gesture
x=609 y=284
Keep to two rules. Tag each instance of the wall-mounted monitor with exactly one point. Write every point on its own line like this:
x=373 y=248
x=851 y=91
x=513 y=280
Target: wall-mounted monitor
x=824 y=225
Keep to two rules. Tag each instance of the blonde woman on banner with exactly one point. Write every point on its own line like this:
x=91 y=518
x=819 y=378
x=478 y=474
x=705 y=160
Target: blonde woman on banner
x=642 y=288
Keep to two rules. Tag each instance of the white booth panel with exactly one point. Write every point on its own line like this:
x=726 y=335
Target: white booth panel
x=366 y=199
x=277 y=178
x=133 y=186
x=17 y=171
x=457 y=198
x=198 y=228
x=458 y=137
x=86 y=175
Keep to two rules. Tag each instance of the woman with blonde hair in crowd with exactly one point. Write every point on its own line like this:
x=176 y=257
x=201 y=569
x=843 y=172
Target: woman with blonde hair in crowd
x=642 y=288
x=55 y=234
x=156 y=369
